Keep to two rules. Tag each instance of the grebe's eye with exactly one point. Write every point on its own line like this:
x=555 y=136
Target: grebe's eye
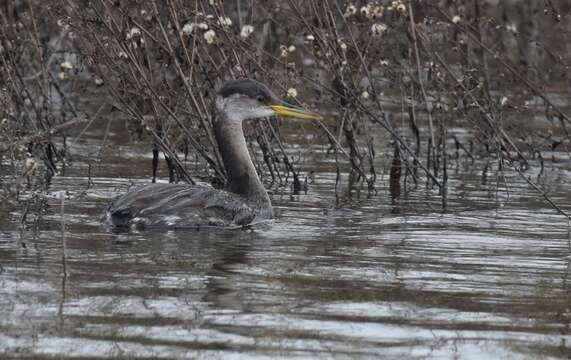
x=260 y=99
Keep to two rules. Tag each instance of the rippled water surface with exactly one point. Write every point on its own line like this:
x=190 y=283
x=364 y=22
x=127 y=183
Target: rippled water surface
x=487 y=277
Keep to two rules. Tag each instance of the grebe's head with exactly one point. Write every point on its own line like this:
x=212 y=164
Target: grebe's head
x=248 y=99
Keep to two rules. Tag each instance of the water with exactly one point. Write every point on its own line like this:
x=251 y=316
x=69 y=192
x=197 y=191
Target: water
x=488 y=277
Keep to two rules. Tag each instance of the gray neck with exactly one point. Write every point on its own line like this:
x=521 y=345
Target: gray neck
x=242 y=176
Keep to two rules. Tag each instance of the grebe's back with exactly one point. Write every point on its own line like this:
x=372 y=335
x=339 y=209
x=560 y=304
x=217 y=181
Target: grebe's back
x=183 y=206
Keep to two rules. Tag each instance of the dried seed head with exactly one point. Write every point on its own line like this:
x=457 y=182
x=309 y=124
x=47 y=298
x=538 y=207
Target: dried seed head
x=210 y=36
x=30 y=163
x=350 y=10
x=66 y=66
x=378 y=11
x=188 y=28
x=503 y=101
x=246 y=31
x=292 y=92
x=512 y=28
x=134 y=32
x=378 y=29
x=225 y=21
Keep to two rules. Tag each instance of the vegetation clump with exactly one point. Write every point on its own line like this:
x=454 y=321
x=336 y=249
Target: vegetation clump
x=416 y=70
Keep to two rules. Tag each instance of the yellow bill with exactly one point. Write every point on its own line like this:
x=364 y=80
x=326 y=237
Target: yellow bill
x=293 y=112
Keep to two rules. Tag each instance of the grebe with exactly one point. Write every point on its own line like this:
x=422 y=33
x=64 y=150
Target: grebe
x=244 y=199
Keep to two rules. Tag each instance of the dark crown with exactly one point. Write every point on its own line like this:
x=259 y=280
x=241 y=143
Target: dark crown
x=247 y=87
